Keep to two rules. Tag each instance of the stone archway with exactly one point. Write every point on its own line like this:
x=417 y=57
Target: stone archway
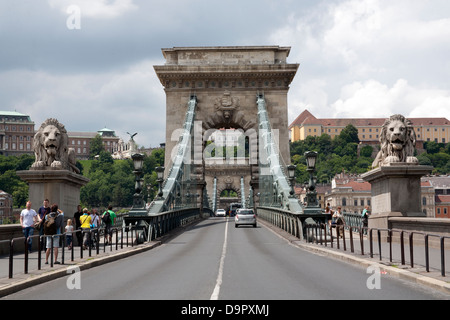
x=226 y=82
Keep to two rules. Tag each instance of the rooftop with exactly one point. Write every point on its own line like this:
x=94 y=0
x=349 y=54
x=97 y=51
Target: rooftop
x=306 y=118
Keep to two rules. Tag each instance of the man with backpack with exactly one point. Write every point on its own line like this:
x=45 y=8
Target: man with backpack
x=108 y=218
x=52 y=229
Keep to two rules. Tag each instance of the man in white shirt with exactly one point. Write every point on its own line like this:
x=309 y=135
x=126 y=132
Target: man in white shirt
x=28 y=217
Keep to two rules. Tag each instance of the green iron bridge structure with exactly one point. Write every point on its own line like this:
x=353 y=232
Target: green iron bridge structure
x=177 y=202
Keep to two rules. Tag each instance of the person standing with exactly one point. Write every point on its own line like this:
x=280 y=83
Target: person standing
x=109 y=223
x=85 y=227
x=365 y=218
x=95 y=224
x=42 y=212
x=28 y=218
x=76 y=217
x=53 y=232
x=69 y=232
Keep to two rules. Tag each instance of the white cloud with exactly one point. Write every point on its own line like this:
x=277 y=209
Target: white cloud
x=95 y=8
x=374 y=99
x=369 y=58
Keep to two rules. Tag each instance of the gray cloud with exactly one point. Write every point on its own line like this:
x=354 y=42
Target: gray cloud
x=102 y=74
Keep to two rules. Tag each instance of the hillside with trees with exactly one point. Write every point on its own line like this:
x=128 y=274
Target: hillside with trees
x=341 y=154
x=111 y=181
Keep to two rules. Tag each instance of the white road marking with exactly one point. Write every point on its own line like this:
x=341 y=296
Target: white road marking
x=215 y=294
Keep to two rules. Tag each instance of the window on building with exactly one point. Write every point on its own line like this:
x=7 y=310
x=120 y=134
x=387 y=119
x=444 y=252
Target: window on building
x=344 y=202
x=445 y=210
x=438 y=210
x=424 y=201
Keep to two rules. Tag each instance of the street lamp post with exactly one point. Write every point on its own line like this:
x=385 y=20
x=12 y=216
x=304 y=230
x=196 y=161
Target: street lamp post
x=160 y=177
x=311 y=193
x=138 y=162
x=291 y=173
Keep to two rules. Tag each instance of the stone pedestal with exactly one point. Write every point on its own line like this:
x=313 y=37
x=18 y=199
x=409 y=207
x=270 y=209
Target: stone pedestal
x=396 y=192
x=58 y=186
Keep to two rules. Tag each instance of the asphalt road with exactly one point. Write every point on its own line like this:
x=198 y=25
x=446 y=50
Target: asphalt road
x=214 y=260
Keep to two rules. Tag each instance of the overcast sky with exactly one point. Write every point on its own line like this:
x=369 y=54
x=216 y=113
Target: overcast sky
x=358 y=58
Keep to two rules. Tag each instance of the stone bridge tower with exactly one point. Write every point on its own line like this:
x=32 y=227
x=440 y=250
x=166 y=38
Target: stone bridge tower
x=226 y=81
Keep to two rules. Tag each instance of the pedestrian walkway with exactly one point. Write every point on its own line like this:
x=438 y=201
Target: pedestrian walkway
x=24 y=276
x=416 y=273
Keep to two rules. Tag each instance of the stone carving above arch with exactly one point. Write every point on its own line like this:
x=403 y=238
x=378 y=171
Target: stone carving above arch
x=227 y=113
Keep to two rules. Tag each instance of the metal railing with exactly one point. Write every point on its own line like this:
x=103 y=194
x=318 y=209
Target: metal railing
x=323 y=234
x=94 y=238
x=283 y=219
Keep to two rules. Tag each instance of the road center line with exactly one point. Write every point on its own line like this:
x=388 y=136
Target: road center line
x=215 y=294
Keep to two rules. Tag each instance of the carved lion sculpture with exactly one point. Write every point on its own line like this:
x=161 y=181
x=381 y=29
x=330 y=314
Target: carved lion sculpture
x=398 y=140
x=50 y=147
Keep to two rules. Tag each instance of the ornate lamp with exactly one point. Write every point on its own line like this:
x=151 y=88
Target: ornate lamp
x=160 y=179
x=311 y=157
x=311 y=193
x=291 y=175
x=138 y=162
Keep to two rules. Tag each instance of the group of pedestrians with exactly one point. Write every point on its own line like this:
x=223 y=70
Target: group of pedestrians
x=49 y=221
x=337 y=217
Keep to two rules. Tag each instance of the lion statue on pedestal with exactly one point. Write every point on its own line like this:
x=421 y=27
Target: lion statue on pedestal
x=50 y=146
x=398 y=140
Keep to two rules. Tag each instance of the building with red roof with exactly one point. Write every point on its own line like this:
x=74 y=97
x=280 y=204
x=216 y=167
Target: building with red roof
x=306 y=124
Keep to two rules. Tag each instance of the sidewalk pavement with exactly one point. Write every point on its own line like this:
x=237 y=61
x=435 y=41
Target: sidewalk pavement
x=34 y=276
x=418 y=274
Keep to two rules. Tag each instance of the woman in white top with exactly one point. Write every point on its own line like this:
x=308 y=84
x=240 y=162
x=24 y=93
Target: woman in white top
x=95 y=219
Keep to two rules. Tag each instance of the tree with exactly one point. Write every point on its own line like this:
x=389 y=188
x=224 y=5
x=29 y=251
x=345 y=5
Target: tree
x=349 y=134
x=366 y=151
x=96 y=146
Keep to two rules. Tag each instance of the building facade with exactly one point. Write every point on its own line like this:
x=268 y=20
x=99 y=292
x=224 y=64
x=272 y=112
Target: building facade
x=441 y=193
x=352 y=194
x=16 y=133
x=306 y=124
x=80 y=142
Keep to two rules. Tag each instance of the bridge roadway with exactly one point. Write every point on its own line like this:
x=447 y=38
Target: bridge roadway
x=214 y=260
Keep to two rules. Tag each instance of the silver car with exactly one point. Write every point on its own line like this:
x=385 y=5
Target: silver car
x=245 y=217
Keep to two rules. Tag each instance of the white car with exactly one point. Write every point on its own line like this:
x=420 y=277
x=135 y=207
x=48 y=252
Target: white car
x=220 y=213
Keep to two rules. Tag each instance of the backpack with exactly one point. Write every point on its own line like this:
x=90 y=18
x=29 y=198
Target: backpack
x=106 y=218
x=50 y=225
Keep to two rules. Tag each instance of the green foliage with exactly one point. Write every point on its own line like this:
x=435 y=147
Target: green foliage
x=436 y=155
x=10 y=182
x=366 y=151
x=112 y=181
x=341 y=154
x=334 y=155
x=96 y=146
